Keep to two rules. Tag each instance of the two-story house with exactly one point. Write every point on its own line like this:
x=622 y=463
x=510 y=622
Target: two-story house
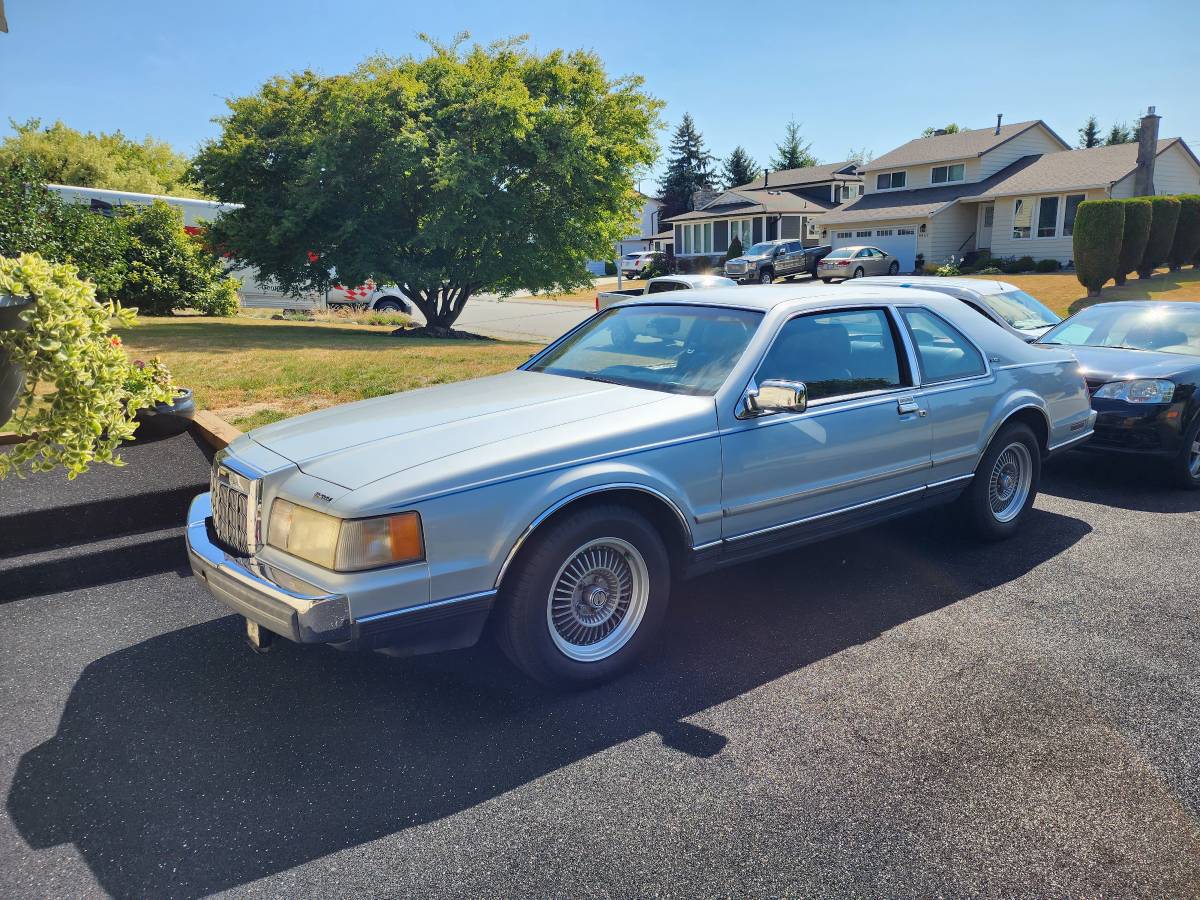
x=1011 y=190
x=787 y=203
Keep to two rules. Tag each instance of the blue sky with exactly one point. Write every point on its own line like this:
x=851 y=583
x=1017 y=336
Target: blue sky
x=867 y=74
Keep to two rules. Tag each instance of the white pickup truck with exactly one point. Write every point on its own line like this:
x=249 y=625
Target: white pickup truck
x=663 y=284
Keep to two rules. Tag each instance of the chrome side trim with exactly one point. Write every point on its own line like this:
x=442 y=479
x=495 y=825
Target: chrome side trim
x=597 y=489
x=1078 y=439
x=825 y=489
x=948 y=481
x=420 y=607
x=826 y=515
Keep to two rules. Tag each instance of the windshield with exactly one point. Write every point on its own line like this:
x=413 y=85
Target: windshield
x=761 y=249
x=675 y=348
x=1165 y=329
x=840 y=254
x=1020 y=310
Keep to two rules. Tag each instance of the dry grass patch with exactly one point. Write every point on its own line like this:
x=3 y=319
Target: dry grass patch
x=1063 y=293
x=254 y=371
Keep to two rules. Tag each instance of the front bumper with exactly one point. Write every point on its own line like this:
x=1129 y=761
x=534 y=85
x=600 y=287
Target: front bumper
x=274 y=599
x=1150 y=429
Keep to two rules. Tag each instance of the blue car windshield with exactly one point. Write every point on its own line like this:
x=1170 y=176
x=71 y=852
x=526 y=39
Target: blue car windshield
x=1166 y=329
x=675 y=348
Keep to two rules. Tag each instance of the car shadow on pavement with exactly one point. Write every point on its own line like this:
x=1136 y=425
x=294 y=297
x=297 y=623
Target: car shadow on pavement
x=185 y=764
x=1137 y=484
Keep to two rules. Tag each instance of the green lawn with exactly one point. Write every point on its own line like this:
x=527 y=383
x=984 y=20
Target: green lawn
x=253 y=371
x=1063 y=293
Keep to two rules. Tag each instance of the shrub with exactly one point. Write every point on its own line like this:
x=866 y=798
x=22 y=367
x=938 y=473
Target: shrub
x=948 y=269
x=220 y=300
x=1187 y=231
x=1135 y=233
x=1163 y=220
x=735 y=250
x=610 y=267
x=1047 y=265
x=85 y=406
x=1099 y=225
x=989 y=270
x=167 y=269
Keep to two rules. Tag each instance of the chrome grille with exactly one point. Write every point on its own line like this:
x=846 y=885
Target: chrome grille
x=735 y=267
x=234 y=509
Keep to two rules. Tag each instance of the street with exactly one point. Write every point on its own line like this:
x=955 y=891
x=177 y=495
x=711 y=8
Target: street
x=898 y=712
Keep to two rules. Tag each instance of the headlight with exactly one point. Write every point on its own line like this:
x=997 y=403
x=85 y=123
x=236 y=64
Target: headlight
x=1141 y=390
x=345 y=545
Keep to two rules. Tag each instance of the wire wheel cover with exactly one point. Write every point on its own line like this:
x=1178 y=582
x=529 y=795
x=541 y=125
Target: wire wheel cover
x=1009 y=482
x=597 y=599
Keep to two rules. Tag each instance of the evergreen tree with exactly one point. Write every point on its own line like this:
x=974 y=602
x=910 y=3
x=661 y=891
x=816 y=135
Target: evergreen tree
x=794 y=152
x=689 y=168
x=1089 y=134
x=738 y=168
x=860 y=157
x=1118 y=134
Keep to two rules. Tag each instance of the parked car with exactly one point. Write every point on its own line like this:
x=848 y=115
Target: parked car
x=387 y=298
x=661 y=285
x=765 y=262
x=561 y=500
x=638 y=265
x=855 y=262
x=1005 y=304
x=1141 y=360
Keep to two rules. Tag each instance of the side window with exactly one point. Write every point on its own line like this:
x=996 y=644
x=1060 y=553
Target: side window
x=943 y=351
x=659 y=287
x=836 y=354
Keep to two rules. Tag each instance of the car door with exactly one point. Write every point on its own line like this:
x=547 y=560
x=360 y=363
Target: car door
x=795 y=257
x=958 y=389
x=863 y=440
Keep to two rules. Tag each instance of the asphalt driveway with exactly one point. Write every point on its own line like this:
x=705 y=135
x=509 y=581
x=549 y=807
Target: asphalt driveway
x=898 y=712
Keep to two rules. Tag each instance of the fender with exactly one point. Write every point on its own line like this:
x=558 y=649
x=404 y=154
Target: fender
x=1009 y=406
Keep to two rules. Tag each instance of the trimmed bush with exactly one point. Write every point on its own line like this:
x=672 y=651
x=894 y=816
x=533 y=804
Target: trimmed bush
x=735 y=250
x=1047 y=265
x=610 y=267
x=1135 y=233
x=1099 y=225
x=1163 y=220
x=1187 y=232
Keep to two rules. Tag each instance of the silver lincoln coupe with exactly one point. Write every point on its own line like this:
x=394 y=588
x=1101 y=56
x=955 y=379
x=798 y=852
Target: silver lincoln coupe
x=556 y=504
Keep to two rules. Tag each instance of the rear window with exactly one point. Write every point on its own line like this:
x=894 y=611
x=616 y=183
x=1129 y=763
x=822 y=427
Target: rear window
x=840 y=254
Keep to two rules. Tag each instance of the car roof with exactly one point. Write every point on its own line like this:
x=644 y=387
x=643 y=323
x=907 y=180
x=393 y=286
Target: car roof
x=766 y=297
x=858 y=247
x=979 y=285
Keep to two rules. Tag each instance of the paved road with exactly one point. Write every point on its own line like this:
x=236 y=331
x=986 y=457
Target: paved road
x=524 y=320
x=900 y=712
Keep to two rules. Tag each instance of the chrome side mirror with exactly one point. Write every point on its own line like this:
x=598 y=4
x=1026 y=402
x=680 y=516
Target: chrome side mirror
x=775 y=396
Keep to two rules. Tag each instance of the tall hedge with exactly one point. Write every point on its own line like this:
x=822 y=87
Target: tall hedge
x=1187 y=231
x=1137 y=231
x=1162 y=234
x=1099 y=225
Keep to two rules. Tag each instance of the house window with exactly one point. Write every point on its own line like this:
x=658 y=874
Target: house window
x=943 y=174
x=708 y=237
x=989 y=216
x=742 y=229
x=687 y=239
x=844 y=234
x=1047 y=217
x=1022 y=218
x=889 y=181
x=862 y=234
x=1073 y=201
x=883 y=232
x=906 y=231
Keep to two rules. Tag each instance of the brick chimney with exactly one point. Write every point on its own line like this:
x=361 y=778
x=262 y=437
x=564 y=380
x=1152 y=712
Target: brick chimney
x=1143 y=179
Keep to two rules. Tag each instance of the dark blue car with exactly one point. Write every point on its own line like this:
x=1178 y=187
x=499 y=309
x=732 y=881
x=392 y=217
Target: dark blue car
x=1141 y=360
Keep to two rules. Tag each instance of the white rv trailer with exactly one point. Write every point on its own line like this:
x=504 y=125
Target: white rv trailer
x=253 y=293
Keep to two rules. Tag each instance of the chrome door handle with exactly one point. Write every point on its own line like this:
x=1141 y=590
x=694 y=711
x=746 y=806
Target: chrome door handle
x=906 y=405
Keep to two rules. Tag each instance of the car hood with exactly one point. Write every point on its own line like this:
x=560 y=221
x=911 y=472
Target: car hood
x=1115 y=364
x=469 y=429
x=747 y=259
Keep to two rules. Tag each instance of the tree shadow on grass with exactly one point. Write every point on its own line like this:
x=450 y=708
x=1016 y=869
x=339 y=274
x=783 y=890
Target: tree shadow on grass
x=185 y=765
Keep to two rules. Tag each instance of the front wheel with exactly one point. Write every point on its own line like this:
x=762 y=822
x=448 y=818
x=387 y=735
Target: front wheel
x=1186 y=466
x=766 y=276
x=585 y=598
x=1005 y=484
x=893 y=268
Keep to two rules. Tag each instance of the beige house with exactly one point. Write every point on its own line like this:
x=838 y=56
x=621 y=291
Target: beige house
x=1011 y=190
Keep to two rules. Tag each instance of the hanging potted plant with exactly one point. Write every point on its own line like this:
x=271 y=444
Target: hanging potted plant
x=74 y=404
x=163 y=418
x=12 y=376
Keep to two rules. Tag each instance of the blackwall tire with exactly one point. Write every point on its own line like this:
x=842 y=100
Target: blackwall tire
x=585 y=597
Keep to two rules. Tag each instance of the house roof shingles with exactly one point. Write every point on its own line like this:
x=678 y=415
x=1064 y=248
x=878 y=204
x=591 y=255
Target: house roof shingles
x=807 y=175
x=1047 y=173
x=756 y=202
x=959 y=145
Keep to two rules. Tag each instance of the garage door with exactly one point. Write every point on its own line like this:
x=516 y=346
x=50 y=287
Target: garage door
x=898 y=240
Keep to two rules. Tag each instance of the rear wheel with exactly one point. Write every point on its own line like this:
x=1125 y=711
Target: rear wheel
x=858 y=273
x=893 y=268
x=585 y=598
x=826 y=280
x=1186 y=466
x=390 y=305
x=1005 y=484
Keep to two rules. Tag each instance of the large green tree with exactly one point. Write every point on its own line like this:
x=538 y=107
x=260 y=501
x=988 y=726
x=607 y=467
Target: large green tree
x=114 y=161
x=488 y=168
x=738 y=168
x=794 y=152
x=689 y=169
x=1089 y=134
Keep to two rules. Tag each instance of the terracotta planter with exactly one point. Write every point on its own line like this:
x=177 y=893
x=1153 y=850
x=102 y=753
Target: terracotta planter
x=12 y=376
x=166 y=419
